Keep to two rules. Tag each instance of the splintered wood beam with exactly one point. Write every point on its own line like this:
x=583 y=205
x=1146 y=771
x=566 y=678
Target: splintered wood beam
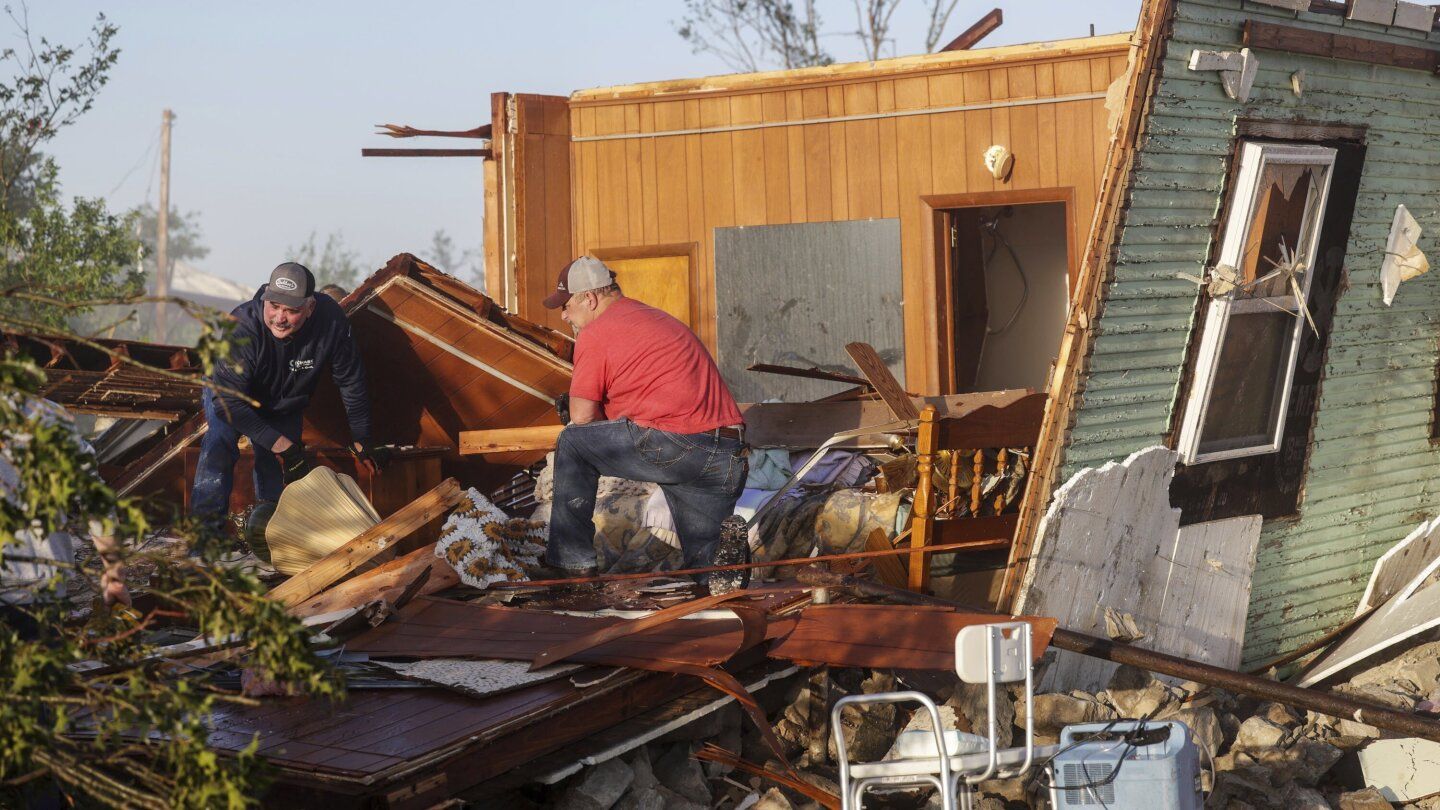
x=1271 y=37
x=972 y=35
x=882 y=380
x=406 y=131
x=480 y=153
x=385 y=582
x=509 y=440
x=808 y=373
x=383 y=536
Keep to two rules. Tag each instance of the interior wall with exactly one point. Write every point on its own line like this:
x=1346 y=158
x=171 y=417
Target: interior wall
x=1020 y=356
x=660 y=165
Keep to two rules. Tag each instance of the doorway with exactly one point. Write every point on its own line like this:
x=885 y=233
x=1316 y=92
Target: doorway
x=1005 y=293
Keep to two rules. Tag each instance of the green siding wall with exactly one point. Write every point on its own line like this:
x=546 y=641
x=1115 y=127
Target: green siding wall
x=1373 y=473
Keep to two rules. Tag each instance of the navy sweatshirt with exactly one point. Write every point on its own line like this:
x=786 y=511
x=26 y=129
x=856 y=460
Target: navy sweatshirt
x=282 y=374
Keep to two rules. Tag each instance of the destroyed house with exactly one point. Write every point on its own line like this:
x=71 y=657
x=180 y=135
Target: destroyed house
x=1258 y=305
x=784 y=214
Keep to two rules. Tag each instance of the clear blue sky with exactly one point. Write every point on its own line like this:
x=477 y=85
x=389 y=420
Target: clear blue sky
x=273 y=101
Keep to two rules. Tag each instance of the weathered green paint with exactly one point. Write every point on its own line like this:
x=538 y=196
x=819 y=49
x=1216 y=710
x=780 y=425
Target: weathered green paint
x=1373 y=473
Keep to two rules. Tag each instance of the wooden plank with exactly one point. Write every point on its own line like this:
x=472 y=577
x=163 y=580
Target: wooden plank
x=480 y=153
x=749 y=165
x=381 y=537
x=891 y=569
x=818 y=203
x=862 y=153
x=802 y=425
x=509 y=440
x=889 y=636
x=1013 y=425
x=777 y=161
x=889 y=156
x=982 y=28
x=839 y=170
x=384 y=583
x=1400 y=565
x=1269 y=36
x=884 y=383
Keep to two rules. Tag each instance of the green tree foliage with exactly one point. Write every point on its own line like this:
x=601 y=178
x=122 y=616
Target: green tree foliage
x=332 y=261
x=73 y=253
x=187 y=240
x=131 y=732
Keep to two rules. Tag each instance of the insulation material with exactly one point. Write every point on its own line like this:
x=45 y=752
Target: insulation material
x=796 y=294
x=477 y=678
x=484 y=545
x=316 y=515
x=1403 y=259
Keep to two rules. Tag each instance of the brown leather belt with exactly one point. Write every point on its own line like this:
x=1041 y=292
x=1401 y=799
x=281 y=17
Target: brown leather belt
x=731 y=433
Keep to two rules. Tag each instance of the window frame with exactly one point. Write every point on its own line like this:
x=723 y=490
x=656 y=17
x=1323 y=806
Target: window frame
x=1254 y=156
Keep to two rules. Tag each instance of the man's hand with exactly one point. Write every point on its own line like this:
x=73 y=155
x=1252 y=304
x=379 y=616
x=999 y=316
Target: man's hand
x=112 y=578
x=293 y=465
x=370 y=457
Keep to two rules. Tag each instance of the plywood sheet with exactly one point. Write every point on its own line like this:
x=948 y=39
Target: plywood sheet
x=796 y=294
x=1111 y=541
x=889 y=636
x=1399 y=566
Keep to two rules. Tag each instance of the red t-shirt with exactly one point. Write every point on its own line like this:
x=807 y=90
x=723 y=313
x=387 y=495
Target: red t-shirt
x=642 y=363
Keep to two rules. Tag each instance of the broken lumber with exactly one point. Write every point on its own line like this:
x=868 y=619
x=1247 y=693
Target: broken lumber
x=882 y=380
x=1382 y=717
x=969 y=545
x=386 y=582
x=383 y=536
x=509 y=440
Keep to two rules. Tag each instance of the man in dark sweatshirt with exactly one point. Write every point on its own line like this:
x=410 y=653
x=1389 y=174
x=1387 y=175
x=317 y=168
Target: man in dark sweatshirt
x=284 y=339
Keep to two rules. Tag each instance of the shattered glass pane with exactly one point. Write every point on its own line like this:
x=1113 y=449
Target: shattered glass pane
x=1245 y=397
x=1286 y=207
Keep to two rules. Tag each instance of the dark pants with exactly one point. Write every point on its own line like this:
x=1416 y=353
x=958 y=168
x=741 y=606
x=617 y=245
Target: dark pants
x=220 y=449
x=701 y=475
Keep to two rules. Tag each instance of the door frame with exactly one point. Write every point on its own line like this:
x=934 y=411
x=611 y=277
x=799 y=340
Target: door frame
x=937 y=259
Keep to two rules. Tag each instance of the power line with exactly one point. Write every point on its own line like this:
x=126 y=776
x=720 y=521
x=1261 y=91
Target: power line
x=146 y=153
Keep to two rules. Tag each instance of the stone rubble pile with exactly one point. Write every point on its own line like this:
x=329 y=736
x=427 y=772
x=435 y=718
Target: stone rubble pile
x=1254 y=755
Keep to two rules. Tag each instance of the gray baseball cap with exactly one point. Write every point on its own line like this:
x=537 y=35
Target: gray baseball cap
x=582 y=275
x=291 y=285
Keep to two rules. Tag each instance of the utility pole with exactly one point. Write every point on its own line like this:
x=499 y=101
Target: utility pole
x=162 y=228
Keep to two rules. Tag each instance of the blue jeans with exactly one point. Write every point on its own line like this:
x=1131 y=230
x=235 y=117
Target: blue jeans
x=220 y=449
x=701 y=475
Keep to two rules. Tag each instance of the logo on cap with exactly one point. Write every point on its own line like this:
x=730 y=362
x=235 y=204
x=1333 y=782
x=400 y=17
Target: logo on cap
x=286 y=284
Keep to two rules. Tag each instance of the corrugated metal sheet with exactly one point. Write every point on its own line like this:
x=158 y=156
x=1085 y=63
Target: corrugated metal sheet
x=1373 y=472
x=794 y=295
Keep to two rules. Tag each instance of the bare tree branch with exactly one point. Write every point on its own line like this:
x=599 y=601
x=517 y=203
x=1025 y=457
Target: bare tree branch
x=752 y=35
x=873 y=18
x=940 y=11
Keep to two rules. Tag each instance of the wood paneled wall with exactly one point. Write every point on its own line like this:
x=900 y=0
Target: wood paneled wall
x=530 y=175
x=679 y=188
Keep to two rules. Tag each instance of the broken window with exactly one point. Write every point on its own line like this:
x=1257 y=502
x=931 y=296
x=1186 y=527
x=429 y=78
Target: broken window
x=1258 y=305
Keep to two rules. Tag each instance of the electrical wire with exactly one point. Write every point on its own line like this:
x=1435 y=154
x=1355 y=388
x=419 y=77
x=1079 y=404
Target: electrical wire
x=1041 y=778
x=992 y=227
x=144 y=154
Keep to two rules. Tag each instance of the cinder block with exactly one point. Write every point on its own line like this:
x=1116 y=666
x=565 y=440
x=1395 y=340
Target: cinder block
x=1414 y=16
x=1380 y=12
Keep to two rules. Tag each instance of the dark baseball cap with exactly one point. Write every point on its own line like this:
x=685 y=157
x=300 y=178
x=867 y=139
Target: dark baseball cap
x=291 y=285
x=582 y=275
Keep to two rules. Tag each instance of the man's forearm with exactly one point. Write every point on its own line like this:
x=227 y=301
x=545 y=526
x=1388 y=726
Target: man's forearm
x=584 y=411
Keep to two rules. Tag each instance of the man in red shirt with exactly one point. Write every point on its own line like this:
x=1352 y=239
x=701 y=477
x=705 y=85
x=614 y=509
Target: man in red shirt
x=646 y=404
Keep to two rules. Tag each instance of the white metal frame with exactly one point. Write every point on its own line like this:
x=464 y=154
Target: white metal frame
x=1254 y=156
x=952 y=776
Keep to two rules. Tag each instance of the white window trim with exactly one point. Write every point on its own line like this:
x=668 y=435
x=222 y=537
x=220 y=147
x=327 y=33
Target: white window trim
x=1253 y=157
